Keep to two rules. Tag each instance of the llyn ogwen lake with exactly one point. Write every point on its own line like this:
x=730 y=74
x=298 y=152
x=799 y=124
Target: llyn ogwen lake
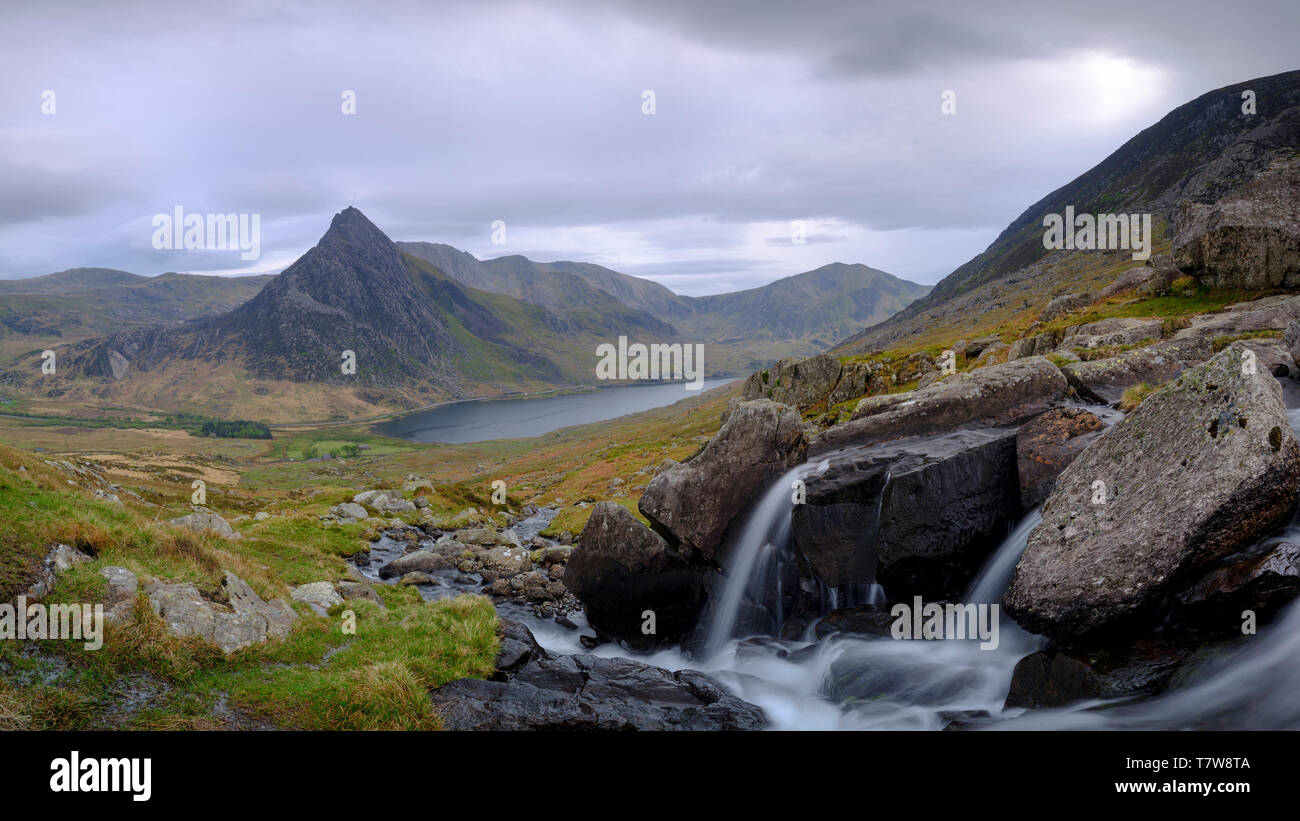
x=520 y=418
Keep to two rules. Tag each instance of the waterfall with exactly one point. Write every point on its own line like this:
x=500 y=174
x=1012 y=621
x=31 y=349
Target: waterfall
x=766 y=532
x=995 y=576
x=753 y=568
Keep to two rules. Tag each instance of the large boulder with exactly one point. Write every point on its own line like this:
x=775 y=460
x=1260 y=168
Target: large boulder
x=1064 y=304
x=583 y=692
x=919 y=515
x=421 y=561
x=798 y=382
x=204 y=522
x=1249 y=239
x=1202 y=468
x=693 y=504
x=1046 y=445
x=1105 y=380
x=621 y=569
x=995 y=395
x=1292 y=341
x=319 y=596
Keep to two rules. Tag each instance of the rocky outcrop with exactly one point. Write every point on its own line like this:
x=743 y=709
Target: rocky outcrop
x=1064 y=304
x=245 y=621
x=798 y=382
x=1249 y=239
x=349 y=512
x=1105 y=380
x=203 y=522
x=1134 y=516
x=1114 y=331
x=995 y=395
x=533 y=690
x=384 y=501
x=1036 y=345
x=621 y=569
x=1131 y=280
x=1046 y=445
x=693 y=504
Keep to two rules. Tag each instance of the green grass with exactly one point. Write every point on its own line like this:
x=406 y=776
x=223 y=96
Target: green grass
x=317 y=678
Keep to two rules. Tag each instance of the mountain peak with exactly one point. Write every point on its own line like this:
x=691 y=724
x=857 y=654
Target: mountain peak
x=353 y=226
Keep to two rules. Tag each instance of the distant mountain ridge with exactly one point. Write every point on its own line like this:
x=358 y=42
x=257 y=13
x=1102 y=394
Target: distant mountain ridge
x=419 y=330
x=824 y=304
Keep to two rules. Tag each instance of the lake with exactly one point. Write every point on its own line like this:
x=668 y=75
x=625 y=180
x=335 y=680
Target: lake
x=520 y=418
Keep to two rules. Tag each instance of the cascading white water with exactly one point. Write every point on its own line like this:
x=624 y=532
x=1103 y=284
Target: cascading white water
x=766 y=531
x=995 y=577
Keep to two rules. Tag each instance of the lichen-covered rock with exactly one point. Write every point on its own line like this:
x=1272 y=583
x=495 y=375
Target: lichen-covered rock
x=320 y=596
x=245 y=621
x=1136 y=513
x=1114 y=331
x=201 y=522
x=421 y=561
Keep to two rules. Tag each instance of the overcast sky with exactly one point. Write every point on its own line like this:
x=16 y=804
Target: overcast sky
x=532 y=113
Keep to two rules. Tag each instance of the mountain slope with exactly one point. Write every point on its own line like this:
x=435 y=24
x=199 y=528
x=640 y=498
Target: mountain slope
x=1199 y=151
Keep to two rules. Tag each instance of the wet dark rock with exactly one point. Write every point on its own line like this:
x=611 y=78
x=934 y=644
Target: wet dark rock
x=865 y=620
x=584 y=692
x=1263 y=583
x=518 y=647
x=917 y=515
x=1050 y=678
x=621 y=569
